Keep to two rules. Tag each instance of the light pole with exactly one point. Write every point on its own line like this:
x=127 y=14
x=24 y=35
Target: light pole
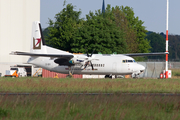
x=167 y=17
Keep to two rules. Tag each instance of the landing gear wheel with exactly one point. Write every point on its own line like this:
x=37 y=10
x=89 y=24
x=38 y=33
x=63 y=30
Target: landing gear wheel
x=69 y=76
x=108 y=76
x=135 y=76
x=70 y=73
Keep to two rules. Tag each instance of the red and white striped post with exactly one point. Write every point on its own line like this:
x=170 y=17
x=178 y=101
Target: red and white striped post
x=166 y=70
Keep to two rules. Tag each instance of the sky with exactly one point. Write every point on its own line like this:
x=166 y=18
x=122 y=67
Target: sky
x=152 y=12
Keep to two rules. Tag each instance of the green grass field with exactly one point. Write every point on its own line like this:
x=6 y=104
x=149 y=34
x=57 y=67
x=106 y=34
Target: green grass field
x=89 y=85
x=88 y=107
x=98 y=107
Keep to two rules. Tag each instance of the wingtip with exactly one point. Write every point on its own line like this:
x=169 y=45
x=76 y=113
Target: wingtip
x=13 y=53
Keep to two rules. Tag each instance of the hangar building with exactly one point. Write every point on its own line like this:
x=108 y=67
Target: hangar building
x=16 y=17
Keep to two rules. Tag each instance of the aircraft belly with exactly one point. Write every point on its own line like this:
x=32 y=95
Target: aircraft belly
x=78 y=70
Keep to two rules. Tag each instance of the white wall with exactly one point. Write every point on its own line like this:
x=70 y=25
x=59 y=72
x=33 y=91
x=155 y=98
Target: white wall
x=16 y=17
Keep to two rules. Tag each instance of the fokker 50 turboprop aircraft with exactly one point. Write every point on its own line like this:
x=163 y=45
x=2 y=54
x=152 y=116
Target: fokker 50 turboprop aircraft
x=94 y=64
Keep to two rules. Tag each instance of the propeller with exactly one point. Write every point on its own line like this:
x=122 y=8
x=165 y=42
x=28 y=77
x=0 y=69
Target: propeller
x=89 y=60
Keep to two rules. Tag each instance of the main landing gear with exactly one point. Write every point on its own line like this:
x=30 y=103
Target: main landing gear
x=70 y=72
x=108 y=76
x=111 y=76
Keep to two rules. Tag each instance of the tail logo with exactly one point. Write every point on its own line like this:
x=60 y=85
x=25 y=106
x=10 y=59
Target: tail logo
x=37 y=43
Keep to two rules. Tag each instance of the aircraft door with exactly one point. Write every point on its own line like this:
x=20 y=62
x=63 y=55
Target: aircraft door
x=114 y=67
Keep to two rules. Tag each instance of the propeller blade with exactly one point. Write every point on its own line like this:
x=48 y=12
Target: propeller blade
x=92 y=53
x=92 y=65
x=89 y=59
x=87 y=52
x=86 y=65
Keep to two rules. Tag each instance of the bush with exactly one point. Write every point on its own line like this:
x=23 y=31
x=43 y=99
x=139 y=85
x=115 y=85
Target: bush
x=3 y=113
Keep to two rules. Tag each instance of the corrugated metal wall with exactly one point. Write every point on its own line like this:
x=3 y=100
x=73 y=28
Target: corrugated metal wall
x=49 y=74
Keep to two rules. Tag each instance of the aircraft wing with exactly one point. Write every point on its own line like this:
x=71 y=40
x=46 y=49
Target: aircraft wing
x=146 y=54
x=43 y=55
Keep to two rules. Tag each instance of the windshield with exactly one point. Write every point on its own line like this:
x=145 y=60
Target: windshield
x=128 y=61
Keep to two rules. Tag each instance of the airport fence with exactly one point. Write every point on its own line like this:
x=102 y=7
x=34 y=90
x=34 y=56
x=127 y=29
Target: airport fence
x=154 y=69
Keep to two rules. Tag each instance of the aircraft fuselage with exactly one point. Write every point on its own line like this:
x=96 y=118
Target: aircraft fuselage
x=105 y=65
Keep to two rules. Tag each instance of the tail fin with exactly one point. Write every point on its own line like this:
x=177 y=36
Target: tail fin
x=38 y=45
x=37 y=40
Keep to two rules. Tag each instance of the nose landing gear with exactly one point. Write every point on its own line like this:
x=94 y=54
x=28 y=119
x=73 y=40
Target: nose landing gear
x=135 y=75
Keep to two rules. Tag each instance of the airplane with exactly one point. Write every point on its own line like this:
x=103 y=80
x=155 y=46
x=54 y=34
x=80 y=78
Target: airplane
x=92 y=64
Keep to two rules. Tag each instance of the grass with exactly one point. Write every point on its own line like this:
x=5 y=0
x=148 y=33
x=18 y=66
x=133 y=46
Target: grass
x=175 y=73
x=80 y=107
x=89 y=85
x=88 y=107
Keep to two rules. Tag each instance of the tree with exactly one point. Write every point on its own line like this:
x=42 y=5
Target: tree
x=157 y=43
x=123 y=24
x=174 y=47
x=62 y=31
x=116 y=30
x=46 y=35
x=99 y=33
x=137 y=25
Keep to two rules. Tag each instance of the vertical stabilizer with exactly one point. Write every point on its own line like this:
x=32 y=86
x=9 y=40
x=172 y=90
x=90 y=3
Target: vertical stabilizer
x=37 y=40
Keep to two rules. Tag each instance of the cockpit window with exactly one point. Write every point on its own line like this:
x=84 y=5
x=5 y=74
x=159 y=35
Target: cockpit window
x=128 y=61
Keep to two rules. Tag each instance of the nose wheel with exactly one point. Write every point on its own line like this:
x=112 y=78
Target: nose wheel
x=134 y=75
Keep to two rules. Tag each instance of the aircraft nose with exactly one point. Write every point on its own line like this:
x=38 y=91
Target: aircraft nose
x=141 y=68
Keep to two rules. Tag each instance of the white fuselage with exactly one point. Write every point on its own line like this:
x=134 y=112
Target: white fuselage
x=105 y=65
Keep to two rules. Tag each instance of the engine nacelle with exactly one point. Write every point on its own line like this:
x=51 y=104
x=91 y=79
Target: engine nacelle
x=76 y=61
